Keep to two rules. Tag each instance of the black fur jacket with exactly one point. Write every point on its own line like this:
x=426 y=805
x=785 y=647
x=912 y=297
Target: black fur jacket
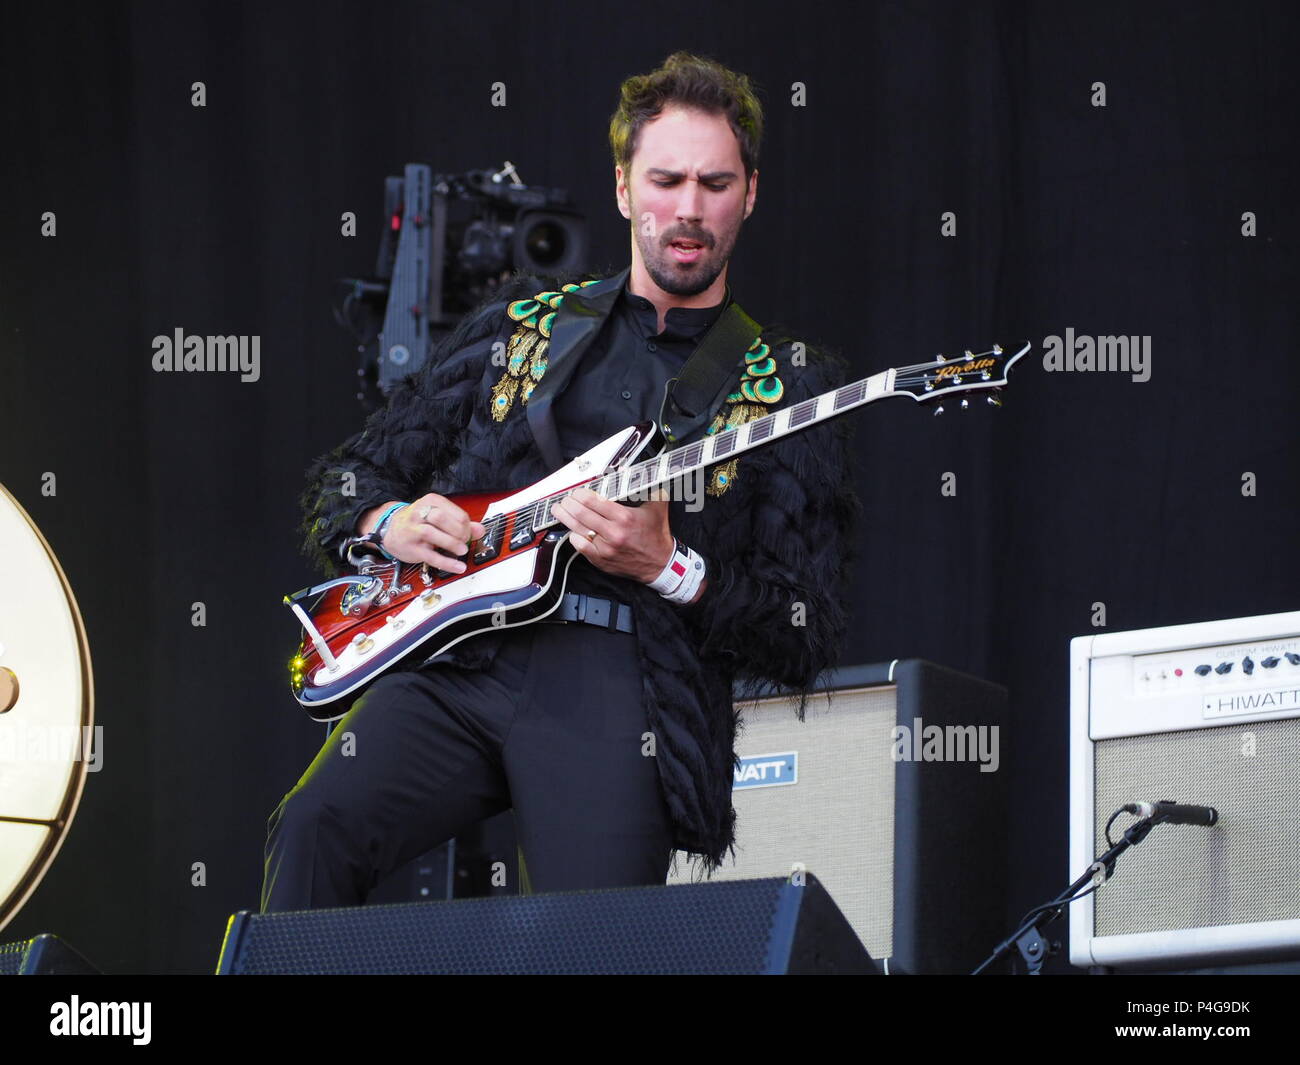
x=777 y=538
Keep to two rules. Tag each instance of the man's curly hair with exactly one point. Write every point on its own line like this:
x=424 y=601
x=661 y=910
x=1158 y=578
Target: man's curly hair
x=688 y=81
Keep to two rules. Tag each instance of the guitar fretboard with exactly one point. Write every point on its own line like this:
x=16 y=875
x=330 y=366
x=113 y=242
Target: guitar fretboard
x=923 y=381
x=642 y=477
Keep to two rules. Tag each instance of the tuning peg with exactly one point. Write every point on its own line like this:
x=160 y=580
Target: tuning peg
x=995 y=401
x=938 y=410
x=965 y=404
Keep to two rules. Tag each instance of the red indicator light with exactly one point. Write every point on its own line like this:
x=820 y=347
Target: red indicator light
x=1178 y=672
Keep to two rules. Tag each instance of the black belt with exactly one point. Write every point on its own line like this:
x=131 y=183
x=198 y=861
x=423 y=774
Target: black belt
x=594 y=611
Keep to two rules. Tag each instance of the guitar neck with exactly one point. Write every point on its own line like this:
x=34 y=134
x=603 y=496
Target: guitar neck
x=923 y=382
x=726 y=444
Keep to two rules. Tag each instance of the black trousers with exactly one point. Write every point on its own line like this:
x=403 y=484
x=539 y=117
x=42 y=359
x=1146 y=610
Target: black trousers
x=555 y=729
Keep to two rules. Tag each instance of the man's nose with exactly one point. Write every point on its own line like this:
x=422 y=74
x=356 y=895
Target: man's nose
x=690 y=202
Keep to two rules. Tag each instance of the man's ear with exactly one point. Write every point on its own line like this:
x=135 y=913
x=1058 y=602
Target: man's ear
x=752 y=194
x=620 y=193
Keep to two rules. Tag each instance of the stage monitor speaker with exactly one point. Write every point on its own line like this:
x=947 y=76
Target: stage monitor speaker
x=892 y=790
x=756 y=926
x=45 y=955
x=1208 y=715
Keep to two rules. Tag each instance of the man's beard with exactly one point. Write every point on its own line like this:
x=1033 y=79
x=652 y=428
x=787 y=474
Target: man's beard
x=684 y=279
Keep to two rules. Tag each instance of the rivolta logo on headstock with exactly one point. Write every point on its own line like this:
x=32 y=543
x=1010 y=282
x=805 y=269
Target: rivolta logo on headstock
x=954 y=369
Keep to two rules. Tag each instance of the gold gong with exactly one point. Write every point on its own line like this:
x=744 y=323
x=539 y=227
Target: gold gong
x=47 y=737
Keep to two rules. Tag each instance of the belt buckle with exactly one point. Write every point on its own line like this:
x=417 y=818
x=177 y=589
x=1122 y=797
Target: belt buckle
x=590 y=608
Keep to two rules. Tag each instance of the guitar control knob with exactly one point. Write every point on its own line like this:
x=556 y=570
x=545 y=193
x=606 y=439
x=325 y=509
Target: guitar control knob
x=8 y=689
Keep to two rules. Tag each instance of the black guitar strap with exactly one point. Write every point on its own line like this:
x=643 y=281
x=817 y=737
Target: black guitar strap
x=708 y=377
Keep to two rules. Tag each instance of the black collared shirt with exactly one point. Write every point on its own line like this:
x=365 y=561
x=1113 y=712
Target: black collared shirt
x=620 y=381
x=621 y=376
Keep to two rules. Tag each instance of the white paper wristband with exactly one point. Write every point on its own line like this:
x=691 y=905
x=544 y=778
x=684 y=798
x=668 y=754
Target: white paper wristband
x=690 y=583
x=674 y=572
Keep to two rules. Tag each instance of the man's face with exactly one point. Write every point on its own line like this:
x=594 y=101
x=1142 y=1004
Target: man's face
x=686 y=197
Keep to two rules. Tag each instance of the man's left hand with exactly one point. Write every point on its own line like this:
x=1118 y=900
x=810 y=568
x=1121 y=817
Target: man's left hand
x=633 y=542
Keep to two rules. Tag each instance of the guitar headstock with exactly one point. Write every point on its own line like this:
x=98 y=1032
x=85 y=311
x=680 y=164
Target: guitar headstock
x=947 y=375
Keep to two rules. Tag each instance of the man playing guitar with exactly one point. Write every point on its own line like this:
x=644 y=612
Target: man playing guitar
x=609 y=725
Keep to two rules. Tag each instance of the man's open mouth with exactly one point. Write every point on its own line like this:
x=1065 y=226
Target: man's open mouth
x=686 y=251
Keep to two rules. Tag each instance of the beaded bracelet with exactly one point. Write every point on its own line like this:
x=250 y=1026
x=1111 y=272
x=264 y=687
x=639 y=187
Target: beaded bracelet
x=381 y=527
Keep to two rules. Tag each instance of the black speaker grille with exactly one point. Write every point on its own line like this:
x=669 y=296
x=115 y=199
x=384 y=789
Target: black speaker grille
x=701 y=928
x=11 y=957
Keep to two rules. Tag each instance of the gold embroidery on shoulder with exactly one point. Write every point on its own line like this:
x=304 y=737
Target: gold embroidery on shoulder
x=759 y=388
x=526 y=350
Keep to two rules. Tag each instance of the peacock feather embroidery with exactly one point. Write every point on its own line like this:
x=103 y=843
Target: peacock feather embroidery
x=526 y=350
x=758 y=390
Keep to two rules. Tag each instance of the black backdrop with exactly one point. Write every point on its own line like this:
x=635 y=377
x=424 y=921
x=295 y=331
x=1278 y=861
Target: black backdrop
x=1085 y=488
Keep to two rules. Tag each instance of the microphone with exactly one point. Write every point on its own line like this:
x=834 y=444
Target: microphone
x=1174 y=813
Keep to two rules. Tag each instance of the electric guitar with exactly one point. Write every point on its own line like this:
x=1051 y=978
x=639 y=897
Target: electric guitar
x=386 y=614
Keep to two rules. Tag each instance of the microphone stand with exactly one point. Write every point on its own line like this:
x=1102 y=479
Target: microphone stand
x=1028 y=939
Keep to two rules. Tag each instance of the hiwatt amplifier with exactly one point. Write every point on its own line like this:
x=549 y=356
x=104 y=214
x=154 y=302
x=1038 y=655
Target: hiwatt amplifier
x=891 y=791
x=1208 y=715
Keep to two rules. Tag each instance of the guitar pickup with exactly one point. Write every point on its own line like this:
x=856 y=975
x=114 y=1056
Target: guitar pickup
x=522 y=535
x=491 y=543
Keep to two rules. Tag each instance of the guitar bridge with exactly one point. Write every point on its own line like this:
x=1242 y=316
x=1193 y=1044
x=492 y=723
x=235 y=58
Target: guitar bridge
x=360 y=598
